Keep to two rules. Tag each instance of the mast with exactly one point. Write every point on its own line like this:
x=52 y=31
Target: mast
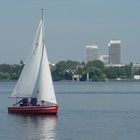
x=43 y=39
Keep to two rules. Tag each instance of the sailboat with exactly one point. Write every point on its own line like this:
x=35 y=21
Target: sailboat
x=34 y=91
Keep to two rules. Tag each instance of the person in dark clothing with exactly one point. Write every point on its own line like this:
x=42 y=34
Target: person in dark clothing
x=33 y=101
x=23 y=102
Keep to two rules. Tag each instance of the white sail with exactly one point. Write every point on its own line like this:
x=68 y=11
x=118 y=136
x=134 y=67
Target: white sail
x=35 y=80
x=46 y=89
x=28 y=77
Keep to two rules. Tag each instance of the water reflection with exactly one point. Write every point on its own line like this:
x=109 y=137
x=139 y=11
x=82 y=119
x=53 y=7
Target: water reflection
x=36 y=127
x=47 y=128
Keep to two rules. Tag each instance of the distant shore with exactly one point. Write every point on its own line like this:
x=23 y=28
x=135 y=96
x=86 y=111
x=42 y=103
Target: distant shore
x=126 y=80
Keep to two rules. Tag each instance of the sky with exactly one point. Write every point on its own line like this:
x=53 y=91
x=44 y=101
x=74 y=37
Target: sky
x=70 y=25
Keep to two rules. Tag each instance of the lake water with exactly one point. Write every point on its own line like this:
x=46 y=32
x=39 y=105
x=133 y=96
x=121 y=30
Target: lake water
x=88 y=111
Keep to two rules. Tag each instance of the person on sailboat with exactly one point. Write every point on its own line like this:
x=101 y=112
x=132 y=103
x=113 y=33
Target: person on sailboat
x=23 y=102
x=42 y=102
x=33 y=102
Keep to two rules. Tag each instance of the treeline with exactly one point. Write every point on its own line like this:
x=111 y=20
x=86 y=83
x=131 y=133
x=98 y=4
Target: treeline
x=93 y=71
x=73 y=70
x=10 y=72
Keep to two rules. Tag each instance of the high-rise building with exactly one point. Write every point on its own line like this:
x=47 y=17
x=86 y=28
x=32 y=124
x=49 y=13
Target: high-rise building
x=91 y=53
x=114 y=52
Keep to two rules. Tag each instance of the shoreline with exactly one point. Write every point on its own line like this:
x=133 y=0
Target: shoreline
x=114 y=80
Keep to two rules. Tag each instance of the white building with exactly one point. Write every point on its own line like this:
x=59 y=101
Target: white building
x=114 y=52
x=104 y=58
x=136 y=71
x=91 y=53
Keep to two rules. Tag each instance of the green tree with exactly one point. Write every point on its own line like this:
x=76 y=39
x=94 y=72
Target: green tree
x=96 y=74
x=64 y=70
x=123 y=72
x=97 y=63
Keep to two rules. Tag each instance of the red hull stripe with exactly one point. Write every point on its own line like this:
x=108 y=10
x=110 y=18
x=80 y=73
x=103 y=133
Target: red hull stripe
x=34 y=109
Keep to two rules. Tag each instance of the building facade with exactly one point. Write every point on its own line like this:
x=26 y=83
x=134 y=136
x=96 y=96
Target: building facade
x=114 y=52
x=136 y=71
x=91 y=53
x=104 y=58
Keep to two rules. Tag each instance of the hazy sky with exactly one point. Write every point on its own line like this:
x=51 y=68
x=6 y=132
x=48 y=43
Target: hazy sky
x=70 y=26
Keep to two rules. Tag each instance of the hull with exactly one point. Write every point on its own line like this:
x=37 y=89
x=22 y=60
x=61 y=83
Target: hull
x=34 y=109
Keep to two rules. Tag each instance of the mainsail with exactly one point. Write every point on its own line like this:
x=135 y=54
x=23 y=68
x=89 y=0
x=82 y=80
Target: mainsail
x=35 y=79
